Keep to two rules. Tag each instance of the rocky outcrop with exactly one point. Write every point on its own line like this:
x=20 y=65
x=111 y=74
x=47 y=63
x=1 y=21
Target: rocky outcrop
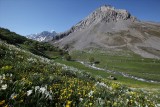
x=103 y=14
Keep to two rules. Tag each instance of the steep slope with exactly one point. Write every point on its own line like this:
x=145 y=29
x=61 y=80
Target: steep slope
x=109 y=28
x=44 y=36
x=38 y=48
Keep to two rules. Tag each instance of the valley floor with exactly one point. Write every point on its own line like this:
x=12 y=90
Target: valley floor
x=129 y=69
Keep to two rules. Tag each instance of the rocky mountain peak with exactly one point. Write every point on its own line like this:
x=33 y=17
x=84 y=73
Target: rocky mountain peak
x=44 y=36
x=108 y=13
x=106 y=7
x=104 y=14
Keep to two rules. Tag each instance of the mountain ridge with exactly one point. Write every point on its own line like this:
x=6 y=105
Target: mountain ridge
x=116 y=29
x=44 y=36
x=105 y=13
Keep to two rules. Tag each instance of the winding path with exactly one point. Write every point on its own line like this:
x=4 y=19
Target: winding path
x=118 y=73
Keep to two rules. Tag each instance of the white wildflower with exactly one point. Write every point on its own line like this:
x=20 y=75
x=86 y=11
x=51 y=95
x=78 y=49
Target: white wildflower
x=4 y=87
x=50 y=96
x=32 y=60
x=96 y=83
x=29 y=92
x=10 y=75
x=36 y=88
x=7 y=74
x=13 y=96
x=158 y=105
x=136 y=102
x=90 y=93
x=1 y=81
x=100 y=101
x=46 y=93
x=4 y=76
x=46 y=86
x=101 y=84
x=10 y=81
x=80 y=99
x=42 y=89
x=51 y=91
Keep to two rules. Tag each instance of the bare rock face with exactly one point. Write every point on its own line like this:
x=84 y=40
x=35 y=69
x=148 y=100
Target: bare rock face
x=108 y=28
x=104 y=14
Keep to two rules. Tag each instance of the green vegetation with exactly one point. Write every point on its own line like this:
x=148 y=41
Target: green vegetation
x=91 y=60
x=123 y=80
x=38 y=48
x=126 y=62
x=27 y=79
x=67 y=57
x=11 y=37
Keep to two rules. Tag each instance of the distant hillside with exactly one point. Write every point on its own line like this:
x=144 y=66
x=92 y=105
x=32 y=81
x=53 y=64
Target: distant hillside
x=11 y=37
x=43 y=49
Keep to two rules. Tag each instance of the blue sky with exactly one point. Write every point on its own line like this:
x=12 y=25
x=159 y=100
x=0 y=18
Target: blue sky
x=34 y=16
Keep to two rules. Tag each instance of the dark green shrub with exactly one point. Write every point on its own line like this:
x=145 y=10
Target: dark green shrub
x=67 y=57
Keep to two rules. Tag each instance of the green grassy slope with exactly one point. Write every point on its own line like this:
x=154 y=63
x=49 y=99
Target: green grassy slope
x=125 y=62
x=38 y=48
x=120 y=79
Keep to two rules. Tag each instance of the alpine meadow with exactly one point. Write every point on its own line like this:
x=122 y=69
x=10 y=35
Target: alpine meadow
x=108 y=59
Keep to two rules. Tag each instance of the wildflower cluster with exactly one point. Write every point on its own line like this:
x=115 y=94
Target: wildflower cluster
x=27 y=80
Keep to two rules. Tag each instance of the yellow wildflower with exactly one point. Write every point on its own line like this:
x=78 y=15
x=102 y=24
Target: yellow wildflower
x=133 y=93
x=108 y=102
x=20 y=101
x=14 y=97
x=23 y=78
x=29 y=82
x=2 y=102
x=90 y=104
x=69 y=95
x=6 y=106
x=115 y=86
x=6 y=67
x=115 y=104
x=67 y=105
x=131 y=101
x=69 y=102
x=50 y=88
